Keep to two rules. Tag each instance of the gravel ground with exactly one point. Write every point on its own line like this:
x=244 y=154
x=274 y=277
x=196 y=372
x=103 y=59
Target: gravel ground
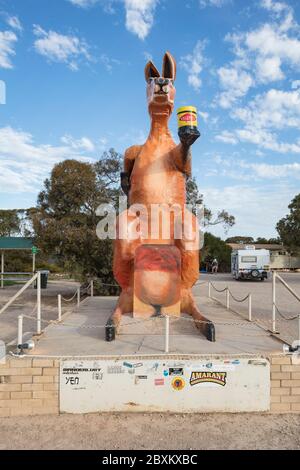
x=152 y=431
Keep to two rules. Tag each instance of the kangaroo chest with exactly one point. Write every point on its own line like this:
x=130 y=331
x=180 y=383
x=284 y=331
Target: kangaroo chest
x=155 y=178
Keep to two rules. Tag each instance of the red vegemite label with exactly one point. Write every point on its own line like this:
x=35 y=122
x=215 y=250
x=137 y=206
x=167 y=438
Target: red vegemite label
x=187 y=117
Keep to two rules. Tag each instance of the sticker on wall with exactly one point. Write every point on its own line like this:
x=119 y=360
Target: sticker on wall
x=166 y=373
x=132 y=366
x=115 y=370
x=199 y=377
x=97 y=376
x=178 y=383
x=138 y=378
x=159 y=381
x=176 y=371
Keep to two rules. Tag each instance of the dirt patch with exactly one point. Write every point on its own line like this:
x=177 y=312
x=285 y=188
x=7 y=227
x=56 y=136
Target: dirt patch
x=152 y=431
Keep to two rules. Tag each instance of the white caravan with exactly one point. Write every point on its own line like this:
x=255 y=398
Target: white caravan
x=250 y=263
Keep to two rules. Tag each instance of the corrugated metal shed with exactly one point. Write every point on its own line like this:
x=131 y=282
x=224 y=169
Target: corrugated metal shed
x=15 y=243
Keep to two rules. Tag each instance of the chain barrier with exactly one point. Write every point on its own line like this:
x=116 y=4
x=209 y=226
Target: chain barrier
x=218 y=290
x=285 y=318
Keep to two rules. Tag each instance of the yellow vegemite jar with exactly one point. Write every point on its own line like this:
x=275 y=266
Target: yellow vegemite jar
x=187 y=116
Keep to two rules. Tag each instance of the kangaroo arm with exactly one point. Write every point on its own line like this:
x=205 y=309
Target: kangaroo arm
x=129 y=158
x=181 y=157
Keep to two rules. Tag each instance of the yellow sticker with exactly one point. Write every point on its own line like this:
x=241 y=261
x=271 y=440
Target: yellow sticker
x=178 y=383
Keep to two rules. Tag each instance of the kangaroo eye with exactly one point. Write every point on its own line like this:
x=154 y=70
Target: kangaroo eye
x=151 y=80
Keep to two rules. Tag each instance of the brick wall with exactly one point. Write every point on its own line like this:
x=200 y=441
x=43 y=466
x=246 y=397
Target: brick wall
x=285 y=384
x=29 y=387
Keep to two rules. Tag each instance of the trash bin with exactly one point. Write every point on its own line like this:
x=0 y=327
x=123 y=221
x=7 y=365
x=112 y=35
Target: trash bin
x=44 y=279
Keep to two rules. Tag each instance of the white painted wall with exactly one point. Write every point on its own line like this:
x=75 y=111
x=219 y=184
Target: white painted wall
x=148 y=385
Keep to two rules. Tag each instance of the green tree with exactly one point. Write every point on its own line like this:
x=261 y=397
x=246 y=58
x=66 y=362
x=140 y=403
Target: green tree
x=9 y=223
x=65 y=219
x=289 y=227
x=214 y=247
x=240 y=239
x=195 y=198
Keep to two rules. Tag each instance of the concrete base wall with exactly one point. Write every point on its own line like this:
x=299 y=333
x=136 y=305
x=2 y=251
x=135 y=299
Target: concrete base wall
x=30 y=386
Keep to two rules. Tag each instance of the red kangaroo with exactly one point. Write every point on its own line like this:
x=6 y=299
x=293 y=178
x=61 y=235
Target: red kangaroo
x=155 y=173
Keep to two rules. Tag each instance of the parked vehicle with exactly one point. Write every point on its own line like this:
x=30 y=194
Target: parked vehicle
x=250 y=263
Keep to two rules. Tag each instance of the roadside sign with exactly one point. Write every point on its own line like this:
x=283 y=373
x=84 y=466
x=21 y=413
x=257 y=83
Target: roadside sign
x=34 y=250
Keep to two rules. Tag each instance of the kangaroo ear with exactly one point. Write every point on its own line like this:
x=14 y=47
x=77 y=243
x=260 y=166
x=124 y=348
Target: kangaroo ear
x=151 y=71
x=169 y=66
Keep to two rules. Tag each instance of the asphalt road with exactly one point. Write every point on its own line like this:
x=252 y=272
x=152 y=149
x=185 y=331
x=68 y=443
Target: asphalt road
x=261 y=299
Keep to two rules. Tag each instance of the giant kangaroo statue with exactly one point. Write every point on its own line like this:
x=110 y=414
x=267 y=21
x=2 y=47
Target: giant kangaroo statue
x=155 y=173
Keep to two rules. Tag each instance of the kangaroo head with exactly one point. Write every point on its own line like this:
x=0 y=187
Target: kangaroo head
x=160 y=88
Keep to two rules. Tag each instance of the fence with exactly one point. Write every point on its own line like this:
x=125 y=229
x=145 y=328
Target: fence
x=35 y=278
x=229 y=295
x=275 y=308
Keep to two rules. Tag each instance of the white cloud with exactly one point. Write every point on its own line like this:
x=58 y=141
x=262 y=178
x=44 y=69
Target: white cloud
x=213 y=3
x=236 y=84
x=241 y=200
x=7 y=51
x=139 y=16
x=83 y=3
x=108 y=62
x=269 y=69
x=276 y=7
x=265 y=170
x=60 y=48
x=203 y=115
x=14 y=23
x=274 y=109
x=227 y=137
x=25 y=164
x=295 y=84
x=265 y=116
x=84 y=143
x=193 y=65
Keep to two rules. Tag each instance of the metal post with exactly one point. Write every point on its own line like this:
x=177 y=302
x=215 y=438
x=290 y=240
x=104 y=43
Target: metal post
x=20 y=330
x=59 y=306
x=78 y=296
x=38 y=313
x=33 y=262
x=92 y=288
x=250 y=307
x=167 y=334
x=227 y=298
x=209 y=290
x=274 y=302
x=2 y=269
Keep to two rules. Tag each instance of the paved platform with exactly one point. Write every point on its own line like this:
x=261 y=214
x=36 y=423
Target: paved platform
x=82 y=333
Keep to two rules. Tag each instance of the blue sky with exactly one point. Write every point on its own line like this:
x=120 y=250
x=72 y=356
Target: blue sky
x=74 y=77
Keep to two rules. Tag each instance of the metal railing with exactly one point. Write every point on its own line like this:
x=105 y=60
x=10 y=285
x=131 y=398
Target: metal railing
x=12 y=277
x=229 y=295
x=77 y=294
x=35 y=278
x=275 y=307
